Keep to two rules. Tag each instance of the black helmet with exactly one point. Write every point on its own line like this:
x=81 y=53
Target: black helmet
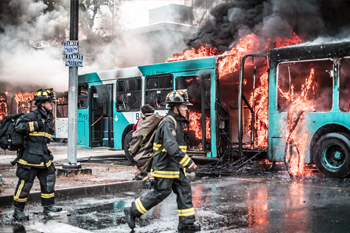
x=177 y=97
x=43 y=95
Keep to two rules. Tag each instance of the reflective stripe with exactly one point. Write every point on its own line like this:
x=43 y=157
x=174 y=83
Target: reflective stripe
x=21 y=161
x=40 y=134
x=186 y=212
x=157 y=146
x=31 y=126
x=47 y=195
x=165 y=174
x=183 y=148
x=19 y=189
x=20 y=199
x=48 y=164
x=139 y=206
x=185 y=160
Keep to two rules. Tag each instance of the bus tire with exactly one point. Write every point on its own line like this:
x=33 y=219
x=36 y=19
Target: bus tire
x=126 y=146
x=332 y=154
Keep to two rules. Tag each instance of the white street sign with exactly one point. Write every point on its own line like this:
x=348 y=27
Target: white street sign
x=71 y=47
x=74 y=60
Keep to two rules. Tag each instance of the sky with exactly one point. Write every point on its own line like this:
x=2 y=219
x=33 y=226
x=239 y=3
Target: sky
x=134 y=13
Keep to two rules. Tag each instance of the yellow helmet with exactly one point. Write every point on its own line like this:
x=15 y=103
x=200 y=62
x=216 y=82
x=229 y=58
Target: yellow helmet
x=177 y=97
x=44 y=95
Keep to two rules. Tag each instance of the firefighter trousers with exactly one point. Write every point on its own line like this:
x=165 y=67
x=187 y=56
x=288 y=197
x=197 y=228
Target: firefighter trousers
x=162 y=188
x=26 y=177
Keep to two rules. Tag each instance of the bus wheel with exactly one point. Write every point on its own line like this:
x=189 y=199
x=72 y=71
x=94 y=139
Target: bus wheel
x=331 y=155
x=126 y=146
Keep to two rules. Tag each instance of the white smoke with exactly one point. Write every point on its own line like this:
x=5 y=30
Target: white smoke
x=31 y=53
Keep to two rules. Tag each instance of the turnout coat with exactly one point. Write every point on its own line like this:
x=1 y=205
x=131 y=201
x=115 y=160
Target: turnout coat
x=173 y=157
x=35 y=152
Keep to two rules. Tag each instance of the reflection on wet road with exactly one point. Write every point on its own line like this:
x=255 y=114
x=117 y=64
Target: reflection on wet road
x=277 y=204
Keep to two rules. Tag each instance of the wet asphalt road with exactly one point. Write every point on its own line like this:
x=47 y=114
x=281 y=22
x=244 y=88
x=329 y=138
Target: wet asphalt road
x=275 y=203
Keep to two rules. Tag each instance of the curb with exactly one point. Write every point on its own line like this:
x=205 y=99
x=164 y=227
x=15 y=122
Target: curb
x=85 y=191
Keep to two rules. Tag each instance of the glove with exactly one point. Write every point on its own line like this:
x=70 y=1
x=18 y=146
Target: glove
x=40 y=123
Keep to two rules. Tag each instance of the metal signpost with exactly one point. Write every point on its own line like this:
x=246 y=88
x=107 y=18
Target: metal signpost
x=73 y=60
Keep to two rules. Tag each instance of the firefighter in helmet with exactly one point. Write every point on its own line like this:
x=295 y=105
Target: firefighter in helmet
x=35 y=159
x=169 y=166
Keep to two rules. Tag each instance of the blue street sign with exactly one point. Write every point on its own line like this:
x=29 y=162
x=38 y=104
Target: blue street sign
x=71 y=47
x=74 y=60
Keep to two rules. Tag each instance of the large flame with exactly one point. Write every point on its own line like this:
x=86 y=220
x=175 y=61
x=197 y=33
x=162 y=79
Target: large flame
x=195 y=124
x=3 y=105
x=24 y=97
x=298 y=106
x=230 y=64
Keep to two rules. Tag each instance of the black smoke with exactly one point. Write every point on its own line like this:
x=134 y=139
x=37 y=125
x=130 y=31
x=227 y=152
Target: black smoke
x=309 y=19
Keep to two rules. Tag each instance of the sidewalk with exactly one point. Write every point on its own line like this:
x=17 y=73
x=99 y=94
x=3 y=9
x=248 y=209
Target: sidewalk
x=108 y=176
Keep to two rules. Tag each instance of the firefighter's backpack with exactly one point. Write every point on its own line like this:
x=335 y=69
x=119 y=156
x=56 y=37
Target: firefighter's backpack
x=141 y=145
x=10 y=139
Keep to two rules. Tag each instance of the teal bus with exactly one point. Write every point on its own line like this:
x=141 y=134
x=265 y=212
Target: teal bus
x=109 y=104
x=308 y=107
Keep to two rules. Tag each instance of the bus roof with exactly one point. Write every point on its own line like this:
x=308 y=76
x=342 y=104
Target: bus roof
x=147 y=70
x=310 y=52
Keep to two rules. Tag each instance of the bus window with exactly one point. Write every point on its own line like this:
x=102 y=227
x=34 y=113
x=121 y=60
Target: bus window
x=344 y=85
x=305 y=84
x=62 y=104
x=83 y=95
x=129 y=94
x=157 y=87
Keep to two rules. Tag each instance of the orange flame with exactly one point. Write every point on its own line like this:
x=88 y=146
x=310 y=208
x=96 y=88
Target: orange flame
x=24 y=97
x=299 y=105
x=231 y=63
x=203 y=51
x=195 y=124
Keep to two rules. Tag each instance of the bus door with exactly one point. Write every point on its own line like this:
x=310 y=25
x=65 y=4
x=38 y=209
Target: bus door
x=101 y=116
x=198 y=131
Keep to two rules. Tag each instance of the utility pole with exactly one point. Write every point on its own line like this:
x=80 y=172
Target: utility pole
x=73 y=93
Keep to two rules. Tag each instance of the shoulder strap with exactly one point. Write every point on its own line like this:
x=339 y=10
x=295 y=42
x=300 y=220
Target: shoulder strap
x=161 y=147
x=175 y=122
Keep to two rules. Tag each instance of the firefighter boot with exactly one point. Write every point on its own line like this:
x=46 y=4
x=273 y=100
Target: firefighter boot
x=188 y=227
x=20 y=215
x=130 y=218
x=52 y=209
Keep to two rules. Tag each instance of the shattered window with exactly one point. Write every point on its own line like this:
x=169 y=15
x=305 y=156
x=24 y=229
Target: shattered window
x=157 y=88
x=344 y=85
x=305 y=86
x=129 y=94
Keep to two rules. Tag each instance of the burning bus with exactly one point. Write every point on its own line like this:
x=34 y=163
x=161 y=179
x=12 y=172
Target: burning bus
x=14 y=102
x=3 y=106
x=291 y=103
x=109 y=103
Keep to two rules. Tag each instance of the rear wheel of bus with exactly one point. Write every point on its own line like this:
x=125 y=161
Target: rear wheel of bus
x=126 y=146
x=331 y=155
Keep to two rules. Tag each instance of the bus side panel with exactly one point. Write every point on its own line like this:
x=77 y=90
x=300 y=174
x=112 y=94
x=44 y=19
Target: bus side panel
x=83 y=128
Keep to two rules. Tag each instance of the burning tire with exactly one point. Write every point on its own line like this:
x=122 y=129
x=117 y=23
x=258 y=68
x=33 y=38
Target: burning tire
x=126 y=146
x=331 y=155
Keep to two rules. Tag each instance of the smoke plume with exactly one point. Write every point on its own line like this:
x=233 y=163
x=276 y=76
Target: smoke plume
x=269 y=18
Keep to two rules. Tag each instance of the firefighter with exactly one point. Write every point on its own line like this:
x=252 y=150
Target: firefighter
x=169 y=167
x=35 y=159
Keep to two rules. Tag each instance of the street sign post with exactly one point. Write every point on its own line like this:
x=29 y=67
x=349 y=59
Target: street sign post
x=74 y=60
